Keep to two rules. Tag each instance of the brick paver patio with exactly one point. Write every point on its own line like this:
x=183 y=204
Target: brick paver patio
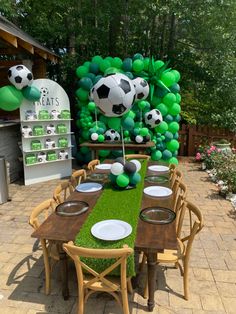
x=212 y=273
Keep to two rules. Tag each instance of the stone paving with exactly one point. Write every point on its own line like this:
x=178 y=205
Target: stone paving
x=212 y=273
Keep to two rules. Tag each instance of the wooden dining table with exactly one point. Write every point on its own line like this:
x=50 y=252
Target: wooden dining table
x=150 y=238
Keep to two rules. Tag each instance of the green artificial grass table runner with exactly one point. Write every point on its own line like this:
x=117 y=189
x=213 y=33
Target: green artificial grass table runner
x=113 y=204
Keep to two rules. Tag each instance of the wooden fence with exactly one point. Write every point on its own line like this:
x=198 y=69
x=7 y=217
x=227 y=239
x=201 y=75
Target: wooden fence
x=191 y=136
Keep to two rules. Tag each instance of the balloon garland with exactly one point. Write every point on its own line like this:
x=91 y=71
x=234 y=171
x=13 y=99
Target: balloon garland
x=139 y=94
x=11 y=96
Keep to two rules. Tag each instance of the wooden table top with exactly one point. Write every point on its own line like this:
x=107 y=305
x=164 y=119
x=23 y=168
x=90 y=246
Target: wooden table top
x=150 y=237
x=117 y=145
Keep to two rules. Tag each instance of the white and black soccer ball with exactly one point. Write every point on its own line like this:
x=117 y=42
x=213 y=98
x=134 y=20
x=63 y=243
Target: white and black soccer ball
x=112 y=135
x=26 y=131
x=141 y=88
x=44 y=91
x=42 y=157
x=20 y=76
x=114 y=95
x=63 y=155
x=30 y=115
x=153 y=118
x=50 y=129
x=50 y=143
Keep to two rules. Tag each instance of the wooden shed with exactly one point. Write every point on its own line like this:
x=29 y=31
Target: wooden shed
x=17 y=47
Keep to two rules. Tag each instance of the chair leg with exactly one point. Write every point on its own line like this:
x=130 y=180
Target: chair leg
x=129 y=286
x=125 y=302
x=185 y=280
x=145 y=293
x=81 y=302
x=47 y=268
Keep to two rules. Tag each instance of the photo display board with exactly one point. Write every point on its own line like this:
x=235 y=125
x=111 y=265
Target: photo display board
x=46 y=134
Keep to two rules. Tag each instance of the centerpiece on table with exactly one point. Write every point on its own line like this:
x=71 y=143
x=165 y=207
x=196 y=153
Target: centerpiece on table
x=125 y=174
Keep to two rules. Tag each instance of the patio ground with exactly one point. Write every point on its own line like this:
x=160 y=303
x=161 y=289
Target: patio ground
x=213 y=259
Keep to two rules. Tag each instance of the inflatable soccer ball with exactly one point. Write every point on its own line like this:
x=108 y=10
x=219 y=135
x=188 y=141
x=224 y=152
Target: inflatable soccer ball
x=114 y=95
x=112 y=135
x=20 y=76
x=153 y=118
x=141 y=87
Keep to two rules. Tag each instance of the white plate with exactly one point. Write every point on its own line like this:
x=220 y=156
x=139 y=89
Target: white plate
x=111 y=230
x=157 y=191
x=103 y=167
x=158 y=168
x=89 y=187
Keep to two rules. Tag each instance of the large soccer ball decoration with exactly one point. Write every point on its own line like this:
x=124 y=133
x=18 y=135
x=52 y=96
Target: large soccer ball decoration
x=114 y=95
x=141 y=87
x=20 y=76
x=112 y=135
x=153 y=118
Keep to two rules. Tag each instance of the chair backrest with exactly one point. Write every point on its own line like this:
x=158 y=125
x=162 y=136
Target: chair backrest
x=194 y=224
x=179 y=195
x=76 y=177
x=92 y=164
x=137 y=156
x=62 y=191
x=120 y=256
x=177 y=177
x=41 y=213
x=172 y=169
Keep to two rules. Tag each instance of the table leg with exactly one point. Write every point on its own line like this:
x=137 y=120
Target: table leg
x=151 y=272
x=64 y=272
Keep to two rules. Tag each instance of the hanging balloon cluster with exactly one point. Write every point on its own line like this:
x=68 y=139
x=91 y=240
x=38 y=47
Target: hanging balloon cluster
x=139 y=95
x=11 y=96
x=124 y=174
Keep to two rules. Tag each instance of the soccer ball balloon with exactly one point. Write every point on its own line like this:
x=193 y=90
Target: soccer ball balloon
x=141 y=87
x=153 y=118
x=112 y=135
x=114 y=95
x=20 y=76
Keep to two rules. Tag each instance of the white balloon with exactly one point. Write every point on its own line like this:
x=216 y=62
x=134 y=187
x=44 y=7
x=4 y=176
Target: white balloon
x=117 y=168
x=94 y=136
x=138 y=139
x=137 y=164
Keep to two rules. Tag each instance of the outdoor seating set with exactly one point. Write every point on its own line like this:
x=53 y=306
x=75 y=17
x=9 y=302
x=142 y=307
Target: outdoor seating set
x=155 y=242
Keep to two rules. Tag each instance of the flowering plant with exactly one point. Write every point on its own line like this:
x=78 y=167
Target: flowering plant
x=207 y=154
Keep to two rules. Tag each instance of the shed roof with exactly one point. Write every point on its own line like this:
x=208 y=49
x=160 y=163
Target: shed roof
x=16 y=37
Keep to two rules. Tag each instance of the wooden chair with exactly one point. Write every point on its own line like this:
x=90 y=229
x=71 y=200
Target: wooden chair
x=179 y=196
x=92 y=164
x=38 y=215
x=174 y=183
x=172 y=169
x=77 y=176
x=185 y=241
x=62 y=191
x=93 y=281
x=137 y=156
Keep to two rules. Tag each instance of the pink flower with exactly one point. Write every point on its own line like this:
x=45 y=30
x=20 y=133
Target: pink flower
x=213 y=148
x=198 y=156
x=209 y=152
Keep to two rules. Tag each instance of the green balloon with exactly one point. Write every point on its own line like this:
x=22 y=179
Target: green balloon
x=82 y=94
x=81 y=71
x=128 y=124
x=126 y=133
x=105 y=64
x=162 y=127
x=31 y=93
x=177 y=75
x=138 y=56
x=146 y=62
x=104 y=152
x=92 y=76
x=101 y=138
x=78 y=123
x=114 y=123
x=136 y=131
x=168 y=136
x=85 y=134
x=144 y=131
x=109 y=58
x=178 y=98
x=97 y=59
x=84 y=149
x=135 y=178
x=131 y=114
x=142 y=104
x=162 y=108
x=86 y=83
x=173 y=145
x=130 y=75
x=138 y=65
x=87 y=64
x=168 y=78
x=111 y=70
x=127 y=65
x=175 y=88
x=173 y=160
x=169 y=99
x=10 y=98
x=112 y=177
x=156 y=101
x=116 y=63
x=94 y=68
x=158 y=64
x=175 y=109
x=79 y=157
x=156 y=155
x=173 y=127
x=122 y=180
x=103 y=119
x=169 y=118
x=91 y=106
x=166 y=154
x=97 y=78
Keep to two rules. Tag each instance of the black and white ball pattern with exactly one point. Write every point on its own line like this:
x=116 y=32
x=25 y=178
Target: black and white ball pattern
x=153 y=118
x=114 y=95
x=141 y=87
x=20 y=76
x=112 y=135
x=44 y=91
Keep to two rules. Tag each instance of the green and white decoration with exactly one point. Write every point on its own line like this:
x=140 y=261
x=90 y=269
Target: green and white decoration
x=137 y=96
